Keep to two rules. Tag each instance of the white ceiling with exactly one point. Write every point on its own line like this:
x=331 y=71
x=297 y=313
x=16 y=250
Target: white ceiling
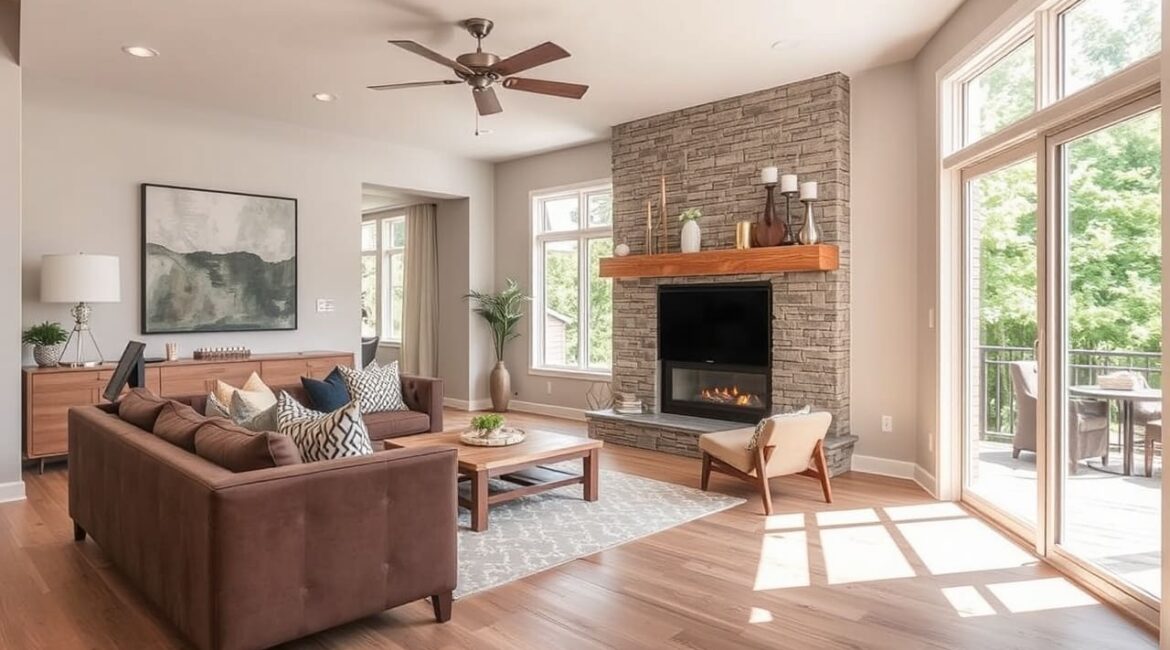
x=266 y=58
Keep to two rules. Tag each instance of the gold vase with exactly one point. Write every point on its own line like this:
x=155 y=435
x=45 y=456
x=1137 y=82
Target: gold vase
x=743 y=235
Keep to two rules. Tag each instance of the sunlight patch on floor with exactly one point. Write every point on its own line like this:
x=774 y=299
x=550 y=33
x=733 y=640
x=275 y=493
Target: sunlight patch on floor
x=960 y=545
x=862 y=553
x=784 y=522
x=940 y=510
x=847 y=517
x=968 y=602
x=760 y=615
x=1039 y=595
x=783 y=561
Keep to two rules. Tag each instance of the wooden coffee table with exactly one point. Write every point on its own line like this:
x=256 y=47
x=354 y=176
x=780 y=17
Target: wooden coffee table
x=521 y=466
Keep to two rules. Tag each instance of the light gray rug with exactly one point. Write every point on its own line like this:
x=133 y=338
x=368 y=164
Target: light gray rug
x=534 y=533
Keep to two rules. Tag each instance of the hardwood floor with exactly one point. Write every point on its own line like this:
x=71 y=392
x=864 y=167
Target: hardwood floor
x=884 y=566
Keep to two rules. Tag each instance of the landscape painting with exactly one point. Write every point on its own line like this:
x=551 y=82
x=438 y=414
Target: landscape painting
x=217 y=261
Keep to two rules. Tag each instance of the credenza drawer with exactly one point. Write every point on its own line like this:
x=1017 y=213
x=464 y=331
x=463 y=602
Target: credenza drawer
x=199 y=379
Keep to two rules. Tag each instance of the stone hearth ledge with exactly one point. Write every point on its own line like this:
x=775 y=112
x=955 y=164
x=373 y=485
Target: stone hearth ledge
x=679 y=434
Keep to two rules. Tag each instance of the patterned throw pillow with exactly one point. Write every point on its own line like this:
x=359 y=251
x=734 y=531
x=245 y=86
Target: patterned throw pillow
x=763 y=424
x=249 y=417
x=323 y=436
x=375 y=389
x=215 y=408
x=255 y=391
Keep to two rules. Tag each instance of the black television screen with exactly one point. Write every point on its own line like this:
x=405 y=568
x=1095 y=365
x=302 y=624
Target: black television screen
x=131 y=369
x=726 y=324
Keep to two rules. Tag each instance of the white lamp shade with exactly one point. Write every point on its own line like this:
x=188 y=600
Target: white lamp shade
x=80 y=278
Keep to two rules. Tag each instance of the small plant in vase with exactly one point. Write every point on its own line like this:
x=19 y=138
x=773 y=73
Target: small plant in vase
x=46 y=340
x=487 y=425
x=690 y=240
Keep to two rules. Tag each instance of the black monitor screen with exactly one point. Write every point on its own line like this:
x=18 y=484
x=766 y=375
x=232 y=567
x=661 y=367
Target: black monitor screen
x=131 y=369
x=726 y=324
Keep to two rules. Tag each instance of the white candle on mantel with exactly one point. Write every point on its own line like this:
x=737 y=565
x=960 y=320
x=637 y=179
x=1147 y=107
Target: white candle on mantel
x=788 y=183
x=808 y=191
x=768 y=175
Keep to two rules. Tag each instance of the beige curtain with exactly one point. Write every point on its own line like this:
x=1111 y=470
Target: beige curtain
x=420 y=306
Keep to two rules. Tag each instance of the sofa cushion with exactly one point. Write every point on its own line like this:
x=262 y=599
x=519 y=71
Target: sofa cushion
x=376 y=389
x=254 y=391
x=327 y=395
x=235 y=448
x=141 y=408
x=177 y=424
x=390 y=424
x=245 y=414
x=214 y=408
x=323 y=436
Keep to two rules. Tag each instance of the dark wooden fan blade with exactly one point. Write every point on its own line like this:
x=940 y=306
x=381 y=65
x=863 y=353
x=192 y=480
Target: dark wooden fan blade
x=557 y=88
x=486 y=101
x=415 y=84
x=530 y=58
x=425 y=52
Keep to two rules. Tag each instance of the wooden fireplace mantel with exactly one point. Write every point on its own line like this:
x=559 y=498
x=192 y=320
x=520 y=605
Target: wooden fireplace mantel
x=774 y=259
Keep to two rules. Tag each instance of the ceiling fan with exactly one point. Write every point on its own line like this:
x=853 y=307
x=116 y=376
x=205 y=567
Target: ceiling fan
x=482 y=70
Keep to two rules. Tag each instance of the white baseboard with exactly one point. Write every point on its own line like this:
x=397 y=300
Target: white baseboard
x=465 y=405
x=925 y=480
x=883 y=466
x=551 y=410
x=13 y=491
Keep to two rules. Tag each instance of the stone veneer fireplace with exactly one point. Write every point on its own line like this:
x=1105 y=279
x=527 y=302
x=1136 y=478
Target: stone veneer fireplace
x=711 y=155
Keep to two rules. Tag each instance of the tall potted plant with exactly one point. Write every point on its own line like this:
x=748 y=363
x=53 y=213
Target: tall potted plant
x=503 y=312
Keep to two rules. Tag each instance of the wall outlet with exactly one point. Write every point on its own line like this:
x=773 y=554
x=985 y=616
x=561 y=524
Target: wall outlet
x=548 y=387
x=887 y=424
x=325 y=305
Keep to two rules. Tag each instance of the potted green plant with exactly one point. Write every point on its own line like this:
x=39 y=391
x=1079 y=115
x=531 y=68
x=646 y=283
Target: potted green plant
x=691 y=237
x=46 y=340
x=487 y=425
x=503 y=312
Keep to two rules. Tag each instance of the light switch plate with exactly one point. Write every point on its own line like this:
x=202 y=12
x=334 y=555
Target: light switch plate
x=325 y=305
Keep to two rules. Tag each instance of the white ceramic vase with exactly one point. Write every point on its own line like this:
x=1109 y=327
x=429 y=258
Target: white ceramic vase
x=692 y=237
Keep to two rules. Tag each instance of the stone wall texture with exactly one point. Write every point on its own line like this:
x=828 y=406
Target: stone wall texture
x=711 y=156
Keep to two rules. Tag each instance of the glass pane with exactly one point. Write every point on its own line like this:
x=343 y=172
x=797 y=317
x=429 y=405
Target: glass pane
x=1101 y=37
x=369 y=295
x=398 y=233
x=600 y=207
x=561 y=303
x=600 y=306
x=369 y=236
x=560 y=214
x=1000 y=95
x=1001 y=367
x=397 y=284
x=1111 y=399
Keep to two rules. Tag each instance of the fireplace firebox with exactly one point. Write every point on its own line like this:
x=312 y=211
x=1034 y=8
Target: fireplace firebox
x=715 y=350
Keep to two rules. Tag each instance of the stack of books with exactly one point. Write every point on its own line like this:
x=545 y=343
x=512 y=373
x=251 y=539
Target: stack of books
x=626 y=403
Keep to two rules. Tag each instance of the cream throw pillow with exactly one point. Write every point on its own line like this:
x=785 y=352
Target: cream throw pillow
x=255 y=393
x=755 y=440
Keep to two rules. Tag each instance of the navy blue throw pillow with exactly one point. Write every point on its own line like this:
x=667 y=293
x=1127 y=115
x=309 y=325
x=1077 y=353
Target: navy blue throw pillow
x=329 y=395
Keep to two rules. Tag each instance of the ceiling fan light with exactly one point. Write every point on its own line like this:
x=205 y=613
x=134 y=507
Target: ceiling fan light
x=140 y=51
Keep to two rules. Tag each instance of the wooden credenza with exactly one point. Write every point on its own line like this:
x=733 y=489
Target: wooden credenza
x=49 y=393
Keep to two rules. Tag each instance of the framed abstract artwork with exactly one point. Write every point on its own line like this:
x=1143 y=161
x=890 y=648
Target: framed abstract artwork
x=217 y=261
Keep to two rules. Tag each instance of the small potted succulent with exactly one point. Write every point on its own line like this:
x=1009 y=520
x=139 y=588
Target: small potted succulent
x=46 y=340
x=691 y=238
x=487 y=425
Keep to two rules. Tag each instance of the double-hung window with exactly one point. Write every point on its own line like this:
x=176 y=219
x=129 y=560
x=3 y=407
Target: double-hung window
x=572 y=305
x=383 y=247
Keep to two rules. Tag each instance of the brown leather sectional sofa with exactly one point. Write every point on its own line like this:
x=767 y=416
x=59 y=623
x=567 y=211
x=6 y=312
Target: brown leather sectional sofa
x=256 y=558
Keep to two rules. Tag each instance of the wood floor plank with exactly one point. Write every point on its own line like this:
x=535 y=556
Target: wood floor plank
x=811 y=576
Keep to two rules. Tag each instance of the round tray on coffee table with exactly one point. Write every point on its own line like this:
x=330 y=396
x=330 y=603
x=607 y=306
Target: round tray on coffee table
x=499 y=438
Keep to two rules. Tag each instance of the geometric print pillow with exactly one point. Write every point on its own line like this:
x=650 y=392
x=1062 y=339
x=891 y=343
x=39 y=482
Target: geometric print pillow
x=323 y=436
x=376 y=389
x=755 y=439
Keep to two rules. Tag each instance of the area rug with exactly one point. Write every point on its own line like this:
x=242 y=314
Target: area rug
x=537 y=532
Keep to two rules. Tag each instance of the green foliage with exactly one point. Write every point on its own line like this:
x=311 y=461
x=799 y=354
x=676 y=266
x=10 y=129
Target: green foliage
x=44 y=334
x=562 y=296
x=489 y=422
x=502 y=311
x=690 y=214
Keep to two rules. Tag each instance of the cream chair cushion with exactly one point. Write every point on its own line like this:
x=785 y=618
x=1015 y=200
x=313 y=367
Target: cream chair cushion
x=793 y=437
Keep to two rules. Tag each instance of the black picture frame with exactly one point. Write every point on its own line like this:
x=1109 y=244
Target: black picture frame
x=131 y=369
x=145 y=321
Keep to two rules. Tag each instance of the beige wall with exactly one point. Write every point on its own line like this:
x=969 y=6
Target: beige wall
x=513 y=252
x=11 y=486
x=883 y=288
x=86 y=151
x=959 y=32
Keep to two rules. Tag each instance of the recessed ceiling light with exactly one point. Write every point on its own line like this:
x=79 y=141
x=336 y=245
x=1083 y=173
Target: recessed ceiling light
x=779 y=45
x=140 y=51
x=324 y=97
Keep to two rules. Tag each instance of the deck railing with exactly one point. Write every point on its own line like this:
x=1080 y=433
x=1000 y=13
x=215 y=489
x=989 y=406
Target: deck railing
x=999 y=400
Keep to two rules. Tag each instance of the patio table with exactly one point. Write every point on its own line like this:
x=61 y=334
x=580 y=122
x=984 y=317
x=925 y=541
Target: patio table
x=1125 y=400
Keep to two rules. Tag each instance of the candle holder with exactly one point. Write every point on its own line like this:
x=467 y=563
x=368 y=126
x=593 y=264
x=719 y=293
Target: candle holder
x=809 y=232
x=789 y=232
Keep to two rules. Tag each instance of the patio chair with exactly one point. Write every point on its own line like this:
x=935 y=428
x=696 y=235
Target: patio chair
x=1146 y=412
x=1153 y=435
x=1088 y=420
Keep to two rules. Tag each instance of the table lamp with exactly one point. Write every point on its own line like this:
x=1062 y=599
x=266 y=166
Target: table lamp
x=81 y=279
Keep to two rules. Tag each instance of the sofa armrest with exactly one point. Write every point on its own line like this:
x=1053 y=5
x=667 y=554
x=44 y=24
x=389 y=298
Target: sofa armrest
x=302 y=548
x=424 y=394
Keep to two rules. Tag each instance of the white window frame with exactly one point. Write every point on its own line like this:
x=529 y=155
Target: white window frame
x=583 y=234
x=385 y=253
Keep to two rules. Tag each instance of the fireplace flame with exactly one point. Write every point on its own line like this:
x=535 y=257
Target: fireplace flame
x=730 y=396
